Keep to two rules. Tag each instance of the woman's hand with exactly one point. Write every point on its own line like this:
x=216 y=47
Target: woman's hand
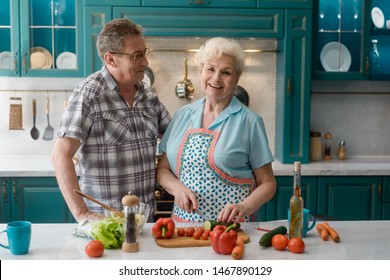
x=233 y=213
x=186 y=199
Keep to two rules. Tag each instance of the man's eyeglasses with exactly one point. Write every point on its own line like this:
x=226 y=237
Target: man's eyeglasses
x=135 y=55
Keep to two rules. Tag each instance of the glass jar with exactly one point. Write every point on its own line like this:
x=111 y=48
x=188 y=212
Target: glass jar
x=328 y=146
x=374 y=58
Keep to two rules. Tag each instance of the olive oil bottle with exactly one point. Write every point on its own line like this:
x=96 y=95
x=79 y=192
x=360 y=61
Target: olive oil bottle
x=296 y=205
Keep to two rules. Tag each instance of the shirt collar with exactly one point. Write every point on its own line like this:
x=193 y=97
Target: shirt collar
x=196 y=111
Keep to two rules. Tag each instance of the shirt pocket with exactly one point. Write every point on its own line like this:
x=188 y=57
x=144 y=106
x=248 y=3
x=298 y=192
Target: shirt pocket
x=151 y=119
x=116 y=130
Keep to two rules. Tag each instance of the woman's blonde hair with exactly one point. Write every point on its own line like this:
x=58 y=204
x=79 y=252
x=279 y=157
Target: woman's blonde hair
x=216 y=47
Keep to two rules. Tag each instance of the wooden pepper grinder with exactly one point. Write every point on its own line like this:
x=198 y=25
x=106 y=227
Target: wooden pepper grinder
x=130 y=241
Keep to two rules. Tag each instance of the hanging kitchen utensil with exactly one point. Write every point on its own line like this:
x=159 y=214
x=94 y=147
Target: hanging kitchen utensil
x=15 y=114
x=241 y=94
x=49 y=131
x=184 y=88
x=34 y=131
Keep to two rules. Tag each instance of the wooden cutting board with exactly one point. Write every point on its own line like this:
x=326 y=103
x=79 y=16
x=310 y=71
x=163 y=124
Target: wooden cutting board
x=184 y=241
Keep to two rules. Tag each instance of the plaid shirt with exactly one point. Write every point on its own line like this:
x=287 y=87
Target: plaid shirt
x=117 y=152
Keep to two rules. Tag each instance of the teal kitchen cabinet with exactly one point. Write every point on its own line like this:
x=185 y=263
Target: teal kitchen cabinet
x=386 y=198
x=181 y=22
x=201 y=3
x=293 y=89
x=293 y=4
x=36 y=199
x=350 y=197
x=41 y=38
x=342 y=41
x=276 y=208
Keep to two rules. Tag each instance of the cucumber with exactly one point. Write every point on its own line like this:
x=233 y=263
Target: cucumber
x=266 y=239
x=210 y=225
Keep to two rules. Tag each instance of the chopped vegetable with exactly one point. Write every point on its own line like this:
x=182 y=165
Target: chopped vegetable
x=322 y=231
x=332 y=232
x=164 y=228
x=210 y=224
x=109 y=231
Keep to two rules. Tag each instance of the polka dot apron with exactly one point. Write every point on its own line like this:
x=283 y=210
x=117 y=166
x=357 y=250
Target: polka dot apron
x=197 y=170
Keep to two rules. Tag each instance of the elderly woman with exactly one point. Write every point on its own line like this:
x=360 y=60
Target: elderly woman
x=217 y=160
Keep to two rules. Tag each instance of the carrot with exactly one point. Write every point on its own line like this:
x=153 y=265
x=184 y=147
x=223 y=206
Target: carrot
x=335 y=236
x=322 y=231
x=240 y=241
x=238 y=251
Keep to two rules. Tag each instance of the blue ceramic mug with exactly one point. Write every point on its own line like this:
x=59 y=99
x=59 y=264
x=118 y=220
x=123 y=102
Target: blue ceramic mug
x=306 y=217
x=19 y=237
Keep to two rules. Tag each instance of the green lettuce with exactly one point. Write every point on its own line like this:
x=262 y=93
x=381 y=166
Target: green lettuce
x=109 y=231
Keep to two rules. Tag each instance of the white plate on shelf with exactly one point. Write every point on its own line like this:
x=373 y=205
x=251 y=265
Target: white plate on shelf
x=66 y=60
x=5 y=60
x=335 y=57
x=40 y=58
x=377 y=17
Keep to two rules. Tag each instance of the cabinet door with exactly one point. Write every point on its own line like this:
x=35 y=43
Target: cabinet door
x=39 y=200
x=95 y=18
x=42 y=38
x=297 y=4
x=201 y=3
x=386 y=198
x=9 y=43
x=379 y=31
x=349 y=198
x=293 y=89
x=205 y=22
x=5 y=202
x=276 y=208
x=339 y=41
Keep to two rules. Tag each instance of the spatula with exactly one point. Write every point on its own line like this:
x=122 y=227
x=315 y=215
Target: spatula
x=49 y=131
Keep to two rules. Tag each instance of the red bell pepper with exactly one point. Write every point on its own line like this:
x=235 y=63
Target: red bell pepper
x=224 y=241
x=164 y=228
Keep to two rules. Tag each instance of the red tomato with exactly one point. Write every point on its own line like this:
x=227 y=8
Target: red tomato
x=296 y=245
x=279 y=241
x=190 y=231
x=181 y=231
x=94 y=248
x=200 y=229
x=206 y=235
x=197 y=234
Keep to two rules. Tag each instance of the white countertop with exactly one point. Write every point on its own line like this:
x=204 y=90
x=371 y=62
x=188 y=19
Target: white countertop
x=40 y=166
x=359 y=240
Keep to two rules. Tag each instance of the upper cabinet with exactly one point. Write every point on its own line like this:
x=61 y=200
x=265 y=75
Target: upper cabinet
x=42 y=38
x=345 y=35
x=379 y=27
x=293 y=4
x=201 y=3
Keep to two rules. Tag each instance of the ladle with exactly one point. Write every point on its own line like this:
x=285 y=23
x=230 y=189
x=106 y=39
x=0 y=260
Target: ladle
x=34 y=131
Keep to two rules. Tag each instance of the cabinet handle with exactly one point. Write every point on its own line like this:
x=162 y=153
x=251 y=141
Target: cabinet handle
x=15 y=63
x=289 y=86
x=14 y=191
x=25 y=63
x=367 y=66
x=199 y=2
x=5 y=191
x=380 y=190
